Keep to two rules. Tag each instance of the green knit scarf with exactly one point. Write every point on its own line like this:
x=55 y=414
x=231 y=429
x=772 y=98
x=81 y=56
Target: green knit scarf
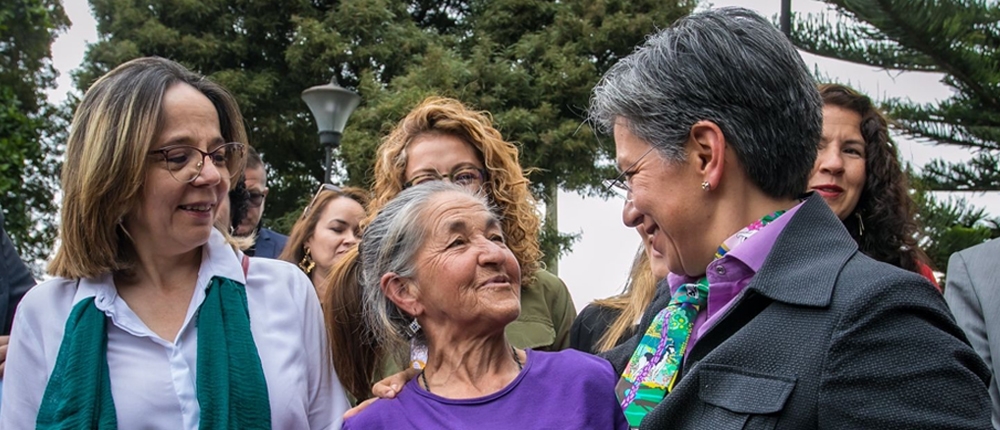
x=232 y=391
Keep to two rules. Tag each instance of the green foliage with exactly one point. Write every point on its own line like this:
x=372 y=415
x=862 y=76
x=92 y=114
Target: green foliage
x=531 y=63
x=959 y=39
x=29 y=126
x=950 y=225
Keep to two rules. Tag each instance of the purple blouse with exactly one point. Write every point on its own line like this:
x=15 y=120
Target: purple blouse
x=556 y=390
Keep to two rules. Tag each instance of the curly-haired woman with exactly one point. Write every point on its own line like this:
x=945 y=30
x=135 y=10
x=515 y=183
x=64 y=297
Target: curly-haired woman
x=442 y=139
x=857 y=172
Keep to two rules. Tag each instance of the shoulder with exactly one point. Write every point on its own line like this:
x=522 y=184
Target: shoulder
x=596 y=317
x=268 y=234
x=389 y=413
x=275 y=278
x=48 y=304
x=545 y=280
x=865 y=280
x=571 y=363
x=989 y=249
x=52 y=294
x=548 y=286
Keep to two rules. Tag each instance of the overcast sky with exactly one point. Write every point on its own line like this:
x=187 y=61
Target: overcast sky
x=599 y=263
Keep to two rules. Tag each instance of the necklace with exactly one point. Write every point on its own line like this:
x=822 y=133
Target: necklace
x=520 y=367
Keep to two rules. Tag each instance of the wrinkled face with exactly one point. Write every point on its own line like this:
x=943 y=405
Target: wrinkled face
x=173 y=217
x=433 y=155
x=336 y=231
x=664 y=205
x=839 y=172
x=256 y=182
x=465 y=274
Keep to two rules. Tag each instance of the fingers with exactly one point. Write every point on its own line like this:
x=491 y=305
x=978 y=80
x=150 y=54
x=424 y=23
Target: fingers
x=357 y=409
x=390 y=386
x=4 y=340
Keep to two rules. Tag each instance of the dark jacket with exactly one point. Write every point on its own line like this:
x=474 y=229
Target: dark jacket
x=825 y=337
x=269 y=243
x=15 y=279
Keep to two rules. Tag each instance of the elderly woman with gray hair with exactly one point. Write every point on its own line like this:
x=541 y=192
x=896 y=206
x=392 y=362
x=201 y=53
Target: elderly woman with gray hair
x=434 y=265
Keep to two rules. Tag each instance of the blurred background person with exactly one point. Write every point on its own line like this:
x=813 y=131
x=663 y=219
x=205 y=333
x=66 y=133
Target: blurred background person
x=605 y=323
x=442 y=139
x=267 y=243
x=326 y=230
x=234 y=208
x=15 y=280
x=857 y=172
x=973 y=294
x=153 y=319
x=435 y=265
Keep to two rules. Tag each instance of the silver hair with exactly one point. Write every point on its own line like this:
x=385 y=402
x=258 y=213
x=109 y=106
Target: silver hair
x=390 y=243
x=729 y=66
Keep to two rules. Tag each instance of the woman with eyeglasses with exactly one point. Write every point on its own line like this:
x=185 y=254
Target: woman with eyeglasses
x=152 y=319
x=326 y=230
x=442 y=139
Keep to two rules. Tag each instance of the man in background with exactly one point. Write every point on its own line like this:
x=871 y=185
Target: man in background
x=973 y=294
x=269 y=243
x=15 y=280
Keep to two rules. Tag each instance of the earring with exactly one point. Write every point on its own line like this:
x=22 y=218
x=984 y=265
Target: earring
x=861 y=224
x=706 y=186
x=307 y=264
x=413 y=328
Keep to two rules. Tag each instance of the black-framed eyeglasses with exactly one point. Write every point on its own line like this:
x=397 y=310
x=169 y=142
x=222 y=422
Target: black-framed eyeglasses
x=619 y=185
x=184 y=162
x=255 y=199
x=322 y=187
x=464 y=176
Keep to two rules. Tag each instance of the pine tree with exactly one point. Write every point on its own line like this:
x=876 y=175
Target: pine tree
x=30 y=127
x=959 y=39
x=531 y=63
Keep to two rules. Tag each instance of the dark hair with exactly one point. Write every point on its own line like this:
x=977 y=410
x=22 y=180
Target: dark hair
x=239 y=202
x=885 y=207
x=728 y=66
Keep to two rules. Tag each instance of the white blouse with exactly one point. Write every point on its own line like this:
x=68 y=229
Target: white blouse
x=153 y=380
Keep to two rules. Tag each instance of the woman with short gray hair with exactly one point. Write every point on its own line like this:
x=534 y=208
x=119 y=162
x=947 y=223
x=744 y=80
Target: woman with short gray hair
x=435 y=265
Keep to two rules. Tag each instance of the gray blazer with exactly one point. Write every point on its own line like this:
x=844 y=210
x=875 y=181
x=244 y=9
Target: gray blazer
x=973 y=293
x=824 y=337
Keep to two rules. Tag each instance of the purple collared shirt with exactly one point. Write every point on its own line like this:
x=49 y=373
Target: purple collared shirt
x=729 y=275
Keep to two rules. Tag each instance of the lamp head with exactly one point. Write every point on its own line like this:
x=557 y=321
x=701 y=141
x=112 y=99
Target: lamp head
x=331 y=105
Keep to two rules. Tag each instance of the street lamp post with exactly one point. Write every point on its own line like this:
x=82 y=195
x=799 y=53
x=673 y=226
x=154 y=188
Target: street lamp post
x=331 y=105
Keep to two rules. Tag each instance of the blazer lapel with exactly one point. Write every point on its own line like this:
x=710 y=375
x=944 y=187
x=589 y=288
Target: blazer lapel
x=801 y=269
x=807 y=257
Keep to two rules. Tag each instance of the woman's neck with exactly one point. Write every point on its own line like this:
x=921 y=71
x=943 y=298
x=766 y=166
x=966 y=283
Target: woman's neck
x=318 y=276
x=159 y=290
x=470 y=368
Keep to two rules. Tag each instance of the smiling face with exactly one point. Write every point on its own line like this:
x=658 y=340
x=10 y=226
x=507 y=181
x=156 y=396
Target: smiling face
x=664 y=203
x=336 y=232
x=839 y=172
x=441 y=154
x=172 y=217
x=465 y=275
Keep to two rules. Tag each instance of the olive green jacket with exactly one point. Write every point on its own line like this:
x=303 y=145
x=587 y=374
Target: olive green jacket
x=547 y=313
